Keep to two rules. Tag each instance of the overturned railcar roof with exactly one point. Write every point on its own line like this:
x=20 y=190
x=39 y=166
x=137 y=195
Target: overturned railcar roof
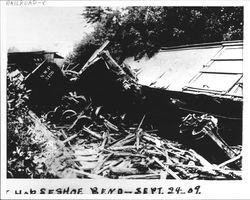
x=211 y=68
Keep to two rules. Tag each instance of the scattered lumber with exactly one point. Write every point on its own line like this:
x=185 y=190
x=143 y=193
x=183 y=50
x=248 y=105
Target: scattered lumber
x=105 y=149
x=76 y=141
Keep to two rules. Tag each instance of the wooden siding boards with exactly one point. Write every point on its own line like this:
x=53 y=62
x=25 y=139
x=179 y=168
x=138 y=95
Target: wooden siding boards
x=177 y=68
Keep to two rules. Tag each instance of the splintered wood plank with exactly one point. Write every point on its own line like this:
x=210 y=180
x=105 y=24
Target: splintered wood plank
x=113 y=163
x=70 y=138
x=230 y=161
x=124 y=141
x=167 y=169
x=93 y=57
x=100 y=162
x=110 y=125
x=92 y=176
x=201 y=159
x=137 y=143
x=141 y=176
x=125 y=154
x=124 y=170
x=92 y=133
x=123 y=148
x=222 y=144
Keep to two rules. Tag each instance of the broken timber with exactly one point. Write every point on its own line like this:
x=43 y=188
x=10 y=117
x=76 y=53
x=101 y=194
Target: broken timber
x=109 y=85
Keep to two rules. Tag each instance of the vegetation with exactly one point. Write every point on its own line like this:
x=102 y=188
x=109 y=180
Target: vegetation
x=19 y=148
x=22 y=144
x=139 y=31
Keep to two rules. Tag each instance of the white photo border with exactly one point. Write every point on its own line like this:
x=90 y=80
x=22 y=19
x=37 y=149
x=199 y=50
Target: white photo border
x=209 y=189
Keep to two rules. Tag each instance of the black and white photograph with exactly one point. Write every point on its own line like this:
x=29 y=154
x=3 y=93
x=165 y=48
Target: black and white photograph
x=106 y=98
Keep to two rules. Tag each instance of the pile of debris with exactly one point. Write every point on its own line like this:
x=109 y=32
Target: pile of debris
x=79 y=139
x=82 y=143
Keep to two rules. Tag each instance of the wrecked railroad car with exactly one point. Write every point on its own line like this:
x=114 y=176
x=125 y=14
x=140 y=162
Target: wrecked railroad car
x=117 y=87
x=42 y=75
x=206 y=78
x=165 y=108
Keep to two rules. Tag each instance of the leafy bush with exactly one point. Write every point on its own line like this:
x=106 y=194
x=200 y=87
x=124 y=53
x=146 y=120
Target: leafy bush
x=20 y=148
